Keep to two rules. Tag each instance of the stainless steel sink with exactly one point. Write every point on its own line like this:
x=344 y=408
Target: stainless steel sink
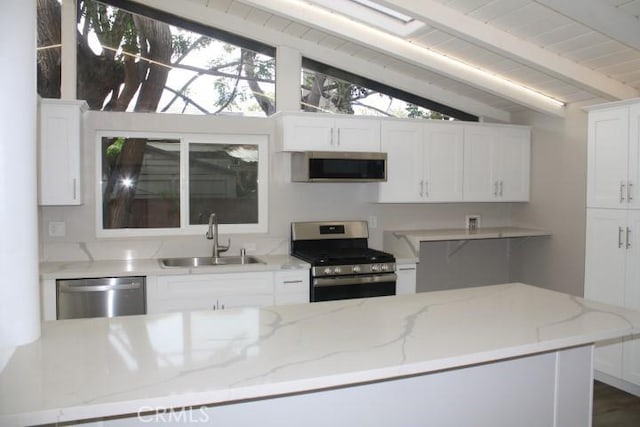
x=209 y=261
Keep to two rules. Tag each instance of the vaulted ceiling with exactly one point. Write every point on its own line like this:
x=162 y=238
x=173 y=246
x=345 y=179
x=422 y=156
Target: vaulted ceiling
x=487 y=57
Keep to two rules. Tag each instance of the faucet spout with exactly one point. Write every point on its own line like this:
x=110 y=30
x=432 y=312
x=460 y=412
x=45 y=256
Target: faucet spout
x=212 y=234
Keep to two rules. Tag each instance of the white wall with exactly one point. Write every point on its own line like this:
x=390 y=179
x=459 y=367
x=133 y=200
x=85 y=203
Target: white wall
x=288 y=201
x=558 y=198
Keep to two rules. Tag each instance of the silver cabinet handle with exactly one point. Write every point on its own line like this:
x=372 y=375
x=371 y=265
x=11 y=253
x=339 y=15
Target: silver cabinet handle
x=501 y=187
x=288 y=282
x=620 y=231
x=331 y=141
x=426 y=188
x=495 y=188
x=422 y=188
x=622 y=185
x=628 y=237
x=629 y=191
x=338 y=144
x=75 y=188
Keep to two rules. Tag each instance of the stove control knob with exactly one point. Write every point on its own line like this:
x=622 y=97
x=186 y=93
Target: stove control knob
x=384 y=267
x=337 y=270
x=356 y=269
x=327 y=271
x=375 y=267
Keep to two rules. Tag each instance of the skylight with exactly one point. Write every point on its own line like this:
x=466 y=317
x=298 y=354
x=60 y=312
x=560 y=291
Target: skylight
x=374 y=14
x=382 y=9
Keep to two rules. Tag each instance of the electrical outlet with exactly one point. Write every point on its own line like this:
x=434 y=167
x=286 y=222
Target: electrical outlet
x=57 y=228
x=472 y=223
x=373 y=222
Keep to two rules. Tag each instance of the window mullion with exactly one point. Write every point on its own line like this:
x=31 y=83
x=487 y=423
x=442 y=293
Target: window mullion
x=184 y=185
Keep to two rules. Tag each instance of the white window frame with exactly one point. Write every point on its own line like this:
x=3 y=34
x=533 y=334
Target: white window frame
x=185 y=229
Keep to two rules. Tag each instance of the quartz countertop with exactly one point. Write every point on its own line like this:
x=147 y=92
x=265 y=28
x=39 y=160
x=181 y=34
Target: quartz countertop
x=90 y=368
x=144 y=267
x=405 y=244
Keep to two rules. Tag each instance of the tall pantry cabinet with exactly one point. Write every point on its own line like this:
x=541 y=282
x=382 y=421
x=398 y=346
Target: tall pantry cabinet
x=612 y=263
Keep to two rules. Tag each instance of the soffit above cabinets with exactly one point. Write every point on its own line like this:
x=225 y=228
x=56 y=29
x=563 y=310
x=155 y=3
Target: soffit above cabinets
x=569 y=51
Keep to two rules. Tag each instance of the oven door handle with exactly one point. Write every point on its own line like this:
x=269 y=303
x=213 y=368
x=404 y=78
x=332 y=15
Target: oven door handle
x=353 y=280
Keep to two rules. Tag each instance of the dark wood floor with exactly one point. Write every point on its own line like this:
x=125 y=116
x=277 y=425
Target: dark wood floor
x=614 y=408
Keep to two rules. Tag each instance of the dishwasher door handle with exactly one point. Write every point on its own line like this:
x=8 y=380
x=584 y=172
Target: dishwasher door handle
x=65 y=287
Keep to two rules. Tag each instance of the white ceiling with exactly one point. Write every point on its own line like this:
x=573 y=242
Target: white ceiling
x=569 y=50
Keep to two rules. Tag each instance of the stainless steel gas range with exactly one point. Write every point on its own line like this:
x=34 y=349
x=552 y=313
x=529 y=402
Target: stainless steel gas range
x=342 y=264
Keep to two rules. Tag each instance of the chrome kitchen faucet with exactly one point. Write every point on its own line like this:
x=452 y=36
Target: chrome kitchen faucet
x=212 y=234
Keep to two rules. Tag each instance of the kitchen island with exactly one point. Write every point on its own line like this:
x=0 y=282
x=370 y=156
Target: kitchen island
x=498 y=355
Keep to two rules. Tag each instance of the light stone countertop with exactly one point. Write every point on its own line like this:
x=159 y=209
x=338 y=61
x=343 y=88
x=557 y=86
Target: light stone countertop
x=100 y=367
x=405 y=244
x=147 y=267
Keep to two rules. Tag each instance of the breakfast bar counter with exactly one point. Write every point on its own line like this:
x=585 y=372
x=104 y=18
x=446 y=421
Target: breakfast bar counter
x=509 y=354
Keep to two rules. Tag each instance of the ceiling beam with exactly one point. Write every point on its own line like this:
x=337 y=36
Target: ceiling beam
x=600 y=16
x=197 y=12
x=403 y=50
x=505 y=44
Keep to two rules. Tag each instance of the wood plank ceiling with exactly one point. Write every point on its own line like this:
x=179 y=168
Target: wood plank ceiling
x=572 y=51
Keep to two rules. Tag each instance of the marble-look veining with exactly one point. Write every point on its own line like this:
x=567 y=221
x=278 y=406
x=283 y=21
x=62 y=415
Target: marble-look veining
x=406 y=243
x=144 y=267
x=100 y=367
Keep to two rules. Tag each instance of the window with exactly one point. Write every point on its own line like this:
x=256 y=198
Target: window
x=170 y=184
x=135 y=58
x=328 y=89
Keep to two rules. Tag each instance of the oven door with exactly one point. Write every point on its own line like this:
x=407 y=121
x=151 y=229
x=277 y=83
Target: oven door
x=347 y=287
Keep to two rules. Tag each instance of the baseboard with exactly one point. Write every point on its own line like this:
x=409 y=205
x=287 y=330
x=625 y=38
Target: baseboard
x=617 y=383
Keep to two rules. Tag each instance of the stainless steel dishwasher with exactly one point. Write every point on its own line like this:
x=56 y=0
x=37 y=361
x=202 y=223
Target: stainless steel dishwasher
x=101 y=297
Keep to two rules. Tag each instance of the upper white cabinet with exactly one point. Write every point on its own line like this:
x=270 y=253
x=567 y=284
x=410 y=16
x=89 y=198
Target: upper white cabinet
x=613 y=170
x=424 y=162
x=319 y=132
x=496 y=163
x=454 y=162
x=59 y=151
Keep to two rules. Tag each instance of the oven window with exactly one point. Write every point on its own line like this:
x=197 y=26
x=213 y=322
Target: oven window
x=329 y=293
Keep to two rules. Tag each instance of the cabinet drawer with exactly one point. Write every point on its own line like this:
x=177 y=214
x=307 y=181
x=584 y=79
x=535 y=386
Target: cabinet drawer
x=195 y=285
x=292 y=281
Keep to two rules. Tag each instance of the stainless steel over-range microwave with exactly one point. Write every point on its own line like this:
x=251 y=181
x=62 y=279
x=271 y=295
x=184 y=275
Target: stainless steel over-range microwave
x=338 y=166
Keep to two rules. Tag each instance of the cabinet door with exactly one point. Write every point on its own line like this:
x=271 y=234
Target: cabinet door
x=306 y=132
x=608 y=151
x=631 y=347
x=480 y=164
x=209 y=291
x=633 y=176
x=443 y=159
x=605 y=260
x=291 y=287
x=353 y=134
x=59 y=152
x=514 y=153
x=403 y=144
x=406 y=281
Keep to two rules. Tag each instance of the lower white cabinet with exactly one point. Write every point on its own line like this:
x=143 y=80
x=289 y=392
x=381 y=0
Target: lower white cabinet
x=291 y=287
x=219 y=291
x=406 y=281
x=612 y=276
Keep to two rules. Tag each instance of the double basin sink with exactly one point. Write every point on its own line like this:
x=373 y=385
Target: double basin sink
x=209 y=261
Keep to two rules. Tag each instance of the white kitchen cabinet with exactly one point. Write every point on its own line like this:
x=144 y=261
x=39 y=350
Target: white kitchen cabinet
x=291 y=287
x=496 y=164
x=406 y=281
x=612 y=276
x=320 y=132
x=59 y=139
x=424 y=162
x=613 y=168
x=209 y=291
